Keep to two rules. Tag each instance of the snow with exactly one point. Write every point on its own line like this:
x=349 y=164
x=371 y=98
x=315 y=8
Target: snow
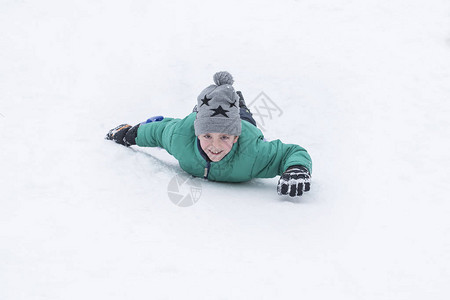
x=363 y=85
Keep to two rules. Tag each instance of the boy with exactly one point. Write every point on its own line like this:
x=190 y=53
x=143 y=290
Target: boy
x=220 y=142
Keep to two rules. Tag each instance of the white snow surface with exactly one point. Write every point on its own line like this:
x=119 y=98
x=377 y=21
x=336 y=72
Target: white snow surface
x=364 y=86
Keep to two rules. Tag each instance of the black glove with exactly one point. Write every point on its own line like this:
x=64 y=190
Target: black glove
x=123 y=134
x=294 y=181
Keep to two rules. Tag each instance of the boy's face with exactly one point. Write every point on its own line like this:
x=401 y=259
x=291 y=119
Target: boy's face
x=217 y=145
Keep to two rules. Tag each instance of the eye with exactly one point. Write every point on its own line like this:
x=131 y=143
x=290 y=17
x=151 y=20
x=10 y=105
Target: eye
x=225 y=137
x=206 y=136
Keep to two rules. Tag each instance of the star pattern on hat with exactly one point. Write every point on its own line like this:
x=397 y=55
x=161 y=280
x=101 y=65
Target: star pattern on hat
x=220 y=111
x=232 y=104
x=205 y=100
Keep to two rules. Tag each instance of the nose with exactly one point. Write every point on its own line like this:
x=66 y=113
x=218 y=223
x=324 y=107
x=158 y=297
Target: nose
x=216 y=143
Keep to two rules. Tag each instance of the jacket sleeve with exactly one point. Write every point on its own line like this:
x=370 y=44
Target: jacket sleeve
x=273 y=158
x=157 y=134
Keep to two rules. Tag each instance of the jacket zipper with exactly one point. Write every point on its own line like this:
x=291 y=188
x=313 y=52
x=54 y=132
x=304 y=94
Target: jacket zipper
x=208 y=166
x=208 y=162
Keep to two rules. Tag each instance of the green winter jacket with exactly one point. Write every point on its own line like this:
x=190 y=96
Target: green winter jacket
x=250 y=157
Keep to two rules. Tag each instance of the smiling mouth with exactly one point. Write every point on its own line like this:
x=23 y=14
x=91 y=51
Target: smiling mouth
x=214 y=153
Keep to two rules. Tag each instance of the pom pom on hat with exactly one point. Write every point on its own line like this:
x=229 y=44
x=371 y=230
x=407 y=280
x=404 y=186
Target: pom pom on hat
x=221 y=78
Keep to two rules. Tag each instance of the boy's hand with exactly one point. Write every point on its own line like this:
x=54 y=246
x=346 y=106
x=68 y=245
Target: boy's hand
x=294 y=181
x=123 y=134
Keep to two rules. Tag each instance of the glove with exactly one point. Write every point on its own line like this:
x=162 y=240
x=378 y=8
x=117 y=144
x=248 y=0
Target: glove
x=294 y=181
x=123 y=134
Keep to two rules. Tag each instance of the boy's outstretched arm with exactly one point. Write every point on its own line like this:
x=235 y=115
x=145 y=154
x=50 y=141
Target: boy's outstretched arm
x=290 y=161
x=153 y=133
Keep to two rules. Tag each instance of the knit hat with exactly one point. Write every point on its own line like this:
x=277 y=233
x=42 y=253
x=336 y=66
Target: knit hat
x=218 y=107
